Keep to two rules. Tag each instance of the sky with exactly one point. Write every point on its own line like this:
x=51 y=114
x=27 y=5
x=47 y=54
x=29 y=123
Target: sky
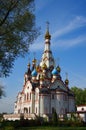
x=67 y=26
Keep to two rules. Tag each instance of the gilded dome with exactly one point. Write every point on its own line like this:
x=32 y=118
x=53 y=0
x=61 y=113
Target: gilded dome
x=58 y=69
x=47 y=35
x=66 y=81
x=44 y=66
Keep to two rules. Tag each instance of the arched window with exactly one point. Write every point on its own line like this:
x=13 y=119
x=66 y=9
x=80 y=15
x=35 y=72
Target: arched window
x=29 y=110
x=53 y=109
x=27 y=96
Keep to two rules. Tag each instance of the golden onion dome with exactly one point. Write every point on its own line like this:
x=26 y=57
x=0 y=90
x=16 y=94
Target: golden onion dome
x=28 y=65
x=44 y=66
x=58 y=69
x=47 y=35
x=34 y=60
x=66 y=81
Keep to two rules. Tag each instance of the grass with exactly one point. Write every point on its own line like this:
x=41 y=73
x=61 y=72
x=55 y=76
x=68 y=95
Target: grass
x=51 y=128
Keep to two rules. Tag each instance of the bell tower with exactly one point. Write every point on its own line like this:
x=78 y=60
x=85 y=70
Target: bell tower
x=47 y=57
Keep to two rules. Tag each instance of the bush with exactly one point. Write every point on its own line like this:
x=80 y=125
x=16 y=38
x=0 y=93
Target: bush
x=8 y=128
x=54 y=118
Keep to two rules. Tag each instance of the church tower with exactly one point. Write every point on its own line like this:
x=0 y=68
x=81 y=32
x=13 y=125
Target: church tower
x=47 y=57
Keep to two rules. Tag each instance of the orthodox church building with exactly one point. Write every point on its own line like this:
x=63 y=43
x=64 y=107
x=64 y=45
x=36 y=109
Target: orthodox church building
x=43 y=90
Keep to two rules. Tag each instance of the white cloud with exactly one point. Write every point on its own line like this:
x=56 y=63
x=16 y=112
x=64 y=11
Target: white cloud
x=71 y=42
x=37 y=46
x=77 y=22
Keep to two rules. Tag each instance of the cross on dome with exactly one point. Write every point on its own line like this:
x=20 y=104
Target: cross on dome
x=47 y=23
x=47 y=35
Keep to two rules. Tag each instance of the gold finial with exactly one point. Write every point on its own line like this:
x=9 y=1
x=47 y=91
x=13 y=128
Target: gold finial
x=58 y=67
x=47 y=35
x=29 y=63
x=34 y=60
x=67 y=81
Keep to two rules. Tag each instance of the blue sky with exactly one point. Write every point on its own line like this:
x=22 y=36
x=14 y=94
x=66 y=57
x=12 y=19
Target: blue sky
x=67 y=27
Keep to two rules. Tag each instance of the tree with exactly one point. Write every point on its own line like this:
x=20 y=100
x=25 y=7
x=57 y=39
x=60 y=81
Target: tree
x=17 y=31
x=80 y=95
x=54 y=118
x=2 y=93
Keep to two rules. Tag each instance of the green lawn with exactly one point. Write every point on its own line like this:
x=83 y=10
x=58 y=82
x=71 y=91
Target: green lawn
x=52 y=128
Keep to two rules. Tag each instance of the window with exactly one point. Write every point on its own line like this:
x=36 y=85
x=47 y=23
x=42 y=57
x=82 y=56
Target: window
x=27 y=96
x=82 y=109
x=30 y=96
x=29 y=109
x=53 y=109
x=53 y=96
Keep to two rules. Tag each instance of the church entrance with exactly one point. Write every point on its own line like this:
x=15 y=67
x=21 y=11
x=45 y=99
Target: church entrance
x=25 y=110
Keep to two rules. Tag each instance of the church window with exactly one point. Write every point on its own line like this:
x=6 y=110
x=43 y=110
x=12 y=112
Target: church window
x=82 y=109
x=53 y=109
x=15 y=106
x=18 y=111
x=30 y=96
x=53 y=96
x=27 y=96
x=29 y=109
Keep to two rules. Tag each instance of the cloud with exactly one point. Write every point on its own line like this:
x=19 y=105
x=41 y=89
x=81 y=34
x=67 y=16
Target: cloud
x=37 y=46
x=77 y=22
x=71 y=42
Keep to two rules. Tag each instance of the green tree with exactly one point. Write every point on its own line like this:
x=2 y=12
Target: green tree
x=17 y=31
x=54 y=118
x=80 y=95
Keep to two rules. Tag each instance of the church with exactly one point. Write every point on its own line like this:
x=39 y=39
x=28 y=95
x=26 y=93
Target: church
x=43 y=90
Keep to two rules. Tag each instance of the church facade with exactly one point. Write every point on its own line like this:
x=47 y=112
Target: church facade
x=44 y=91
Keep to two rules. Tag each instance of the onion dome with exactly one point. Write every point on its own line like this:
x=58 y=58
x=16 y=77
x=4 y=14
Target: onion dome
x=28 y=65
x=47 y=35
x=34 y=61
x=34 y=73
x=54 y=72
x=66 y=81
x=58 y=69
x=44 y=66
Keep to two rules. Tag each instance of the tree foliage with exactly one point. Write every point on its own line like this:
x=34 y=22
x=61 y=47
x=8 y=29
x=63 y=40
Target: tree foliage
x=54 y=118
x=17 y=31
x=80 y=95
